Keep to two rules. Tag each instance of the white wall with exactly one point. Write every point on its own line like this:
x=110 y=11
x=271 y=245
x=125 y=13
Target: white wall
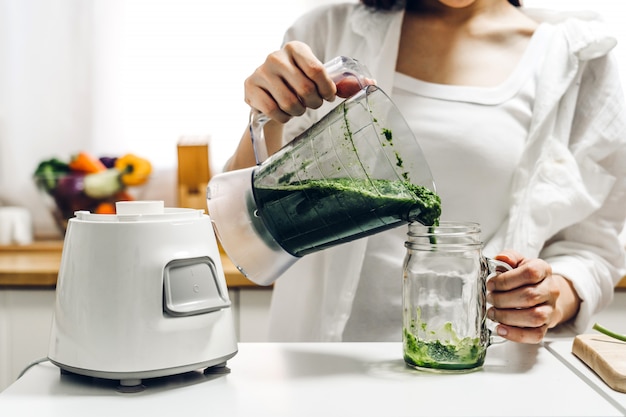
x=177 y=67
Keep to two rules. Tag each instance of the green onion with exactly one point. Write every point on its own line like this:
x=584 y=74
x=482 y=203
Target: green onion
x=608 y=332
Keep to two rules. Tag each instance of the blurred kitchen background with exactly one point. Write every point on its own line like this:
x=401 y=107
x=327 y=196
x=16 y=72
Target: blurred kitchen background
x=117 y=76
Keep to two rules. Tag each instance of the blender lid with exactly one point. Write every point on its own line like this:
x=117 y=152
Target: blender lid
x=139 y=211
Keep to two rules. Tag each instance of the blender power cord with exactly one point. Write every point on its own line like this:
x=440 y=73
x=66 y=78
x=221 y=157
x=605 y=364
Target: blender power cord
x=37 y=362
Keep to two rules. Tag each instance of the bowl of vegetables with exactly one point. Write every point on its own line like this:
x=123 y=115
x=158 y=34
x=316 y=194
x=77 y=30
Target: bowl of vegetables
x=86 y=182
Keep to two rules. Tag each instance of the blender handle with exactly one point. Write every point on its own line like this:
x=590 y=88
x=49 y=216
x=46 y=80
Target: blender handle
x=338 y=68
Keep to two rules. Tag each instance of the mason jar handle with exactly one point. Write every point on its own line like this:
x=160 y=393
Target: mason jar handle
x=495 y=267
x=338 y=68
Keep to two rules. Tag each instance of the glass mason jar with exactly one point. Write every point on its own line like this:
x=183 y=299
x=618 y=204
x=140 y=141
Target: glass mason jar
x=444 y=297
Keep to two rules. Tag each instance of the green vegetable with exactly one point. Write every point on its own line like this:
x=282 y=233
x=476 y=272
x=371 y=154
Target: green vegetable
x=103 y=184
x=48 y=172
x=608 y=332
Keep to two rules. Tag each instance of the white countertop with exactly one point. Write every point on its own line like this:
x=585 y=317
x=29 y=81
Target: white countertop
x=563 y=350
x=329 y=379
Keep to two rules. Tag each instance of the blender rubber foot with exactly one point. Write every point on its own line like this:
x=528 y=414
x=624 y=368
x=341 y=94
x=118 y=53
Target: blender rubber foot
x=217 y=369
x=130 y=386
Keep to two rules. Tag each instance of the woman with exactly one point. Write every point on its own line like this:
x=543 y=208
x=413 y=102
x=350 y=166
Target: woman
x=521 y=118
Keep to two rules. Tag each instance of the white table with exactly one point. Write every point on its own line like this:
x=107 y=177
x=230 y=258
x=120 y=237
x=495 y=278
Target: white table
x=325 y=379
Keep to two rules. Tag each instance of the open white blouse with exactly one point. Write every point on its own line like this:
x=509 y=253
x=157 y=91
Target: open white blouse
x=565 y=187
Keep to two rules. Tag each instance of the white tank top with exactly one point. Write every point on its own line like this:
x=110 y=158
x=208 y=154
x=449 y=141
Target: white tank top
x=472 y=138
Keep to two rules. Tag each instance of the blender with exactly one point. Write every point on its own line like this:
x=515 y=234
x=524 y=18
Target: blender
x=141 y=294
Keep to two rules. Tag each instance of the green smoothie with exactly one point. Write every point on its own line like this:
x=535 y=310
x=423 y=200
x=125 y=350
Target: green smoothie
x=307 y=216
x=446 y=353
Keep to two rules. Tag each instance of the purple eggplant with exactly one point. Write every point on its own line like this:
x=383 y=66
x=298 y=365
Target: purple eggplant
x=70 y=185
x=69 y=194
x=108 y=161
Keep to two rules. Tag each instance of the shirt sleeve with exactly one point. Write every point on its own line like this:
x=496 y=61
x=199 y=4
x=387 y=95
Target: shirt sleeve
x=590 y=253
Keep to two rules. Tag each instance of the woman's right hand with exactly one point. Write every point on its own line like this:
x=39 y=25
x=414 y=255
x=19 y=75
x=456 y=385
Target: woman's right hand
x=290 y=80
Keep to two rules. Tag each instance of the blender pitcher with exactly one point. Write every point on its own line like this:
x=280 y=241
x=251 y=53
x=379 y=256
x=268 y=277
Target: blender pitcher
x=357 y=171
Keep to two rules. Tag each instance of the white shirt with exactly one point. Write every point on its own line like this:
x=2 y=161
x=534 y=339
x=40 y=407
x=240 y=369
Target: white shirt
x=568 y=189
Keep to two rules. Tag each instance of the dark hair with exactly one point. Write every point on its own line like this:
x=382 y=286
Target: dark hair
x=393 y=4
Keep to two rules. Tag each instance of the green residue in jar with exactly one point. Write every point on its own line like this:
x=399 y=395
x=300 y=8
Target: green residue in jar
x=387 y=134
x=447 y=352
x=399 y=161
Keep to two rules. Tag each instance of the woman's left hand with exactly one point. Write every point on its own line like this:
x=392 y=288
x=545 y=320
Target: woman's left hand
x=528 y=300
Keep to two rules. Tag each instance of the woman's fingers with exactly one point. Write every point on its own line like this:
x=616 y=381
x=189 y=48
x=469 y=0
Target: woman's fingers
x=320 y=87
x=289 y=81
x=526 y=272
x=535 y=316
x=522 y=335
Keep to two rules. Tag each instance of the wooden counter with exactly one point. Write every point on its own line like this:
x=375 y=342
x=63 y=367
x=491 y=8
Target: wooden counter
x=37 y=265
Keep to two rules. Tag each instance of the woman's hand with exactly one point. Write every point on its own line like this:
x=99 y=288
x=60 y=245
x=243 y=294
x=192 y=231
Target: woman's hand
x=529 y=299
x=290 y=80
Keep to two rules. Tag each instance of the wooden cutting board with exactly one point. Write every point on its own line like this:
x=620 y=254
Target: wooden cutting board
x=605 y=355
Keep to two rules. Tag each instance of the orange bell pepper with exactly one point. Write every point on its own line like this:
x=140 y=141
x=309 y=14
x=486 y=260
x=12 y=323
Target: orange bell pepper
x=85 y=162
x=105 y=208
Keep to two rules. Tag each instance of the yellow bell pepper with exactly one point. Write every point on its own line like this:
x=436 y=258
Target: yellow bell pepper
x=133 y=169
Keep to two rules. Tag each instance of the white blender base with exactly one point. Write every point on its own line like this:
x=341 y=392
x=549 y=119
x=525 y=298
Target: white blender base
x=132 y=381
